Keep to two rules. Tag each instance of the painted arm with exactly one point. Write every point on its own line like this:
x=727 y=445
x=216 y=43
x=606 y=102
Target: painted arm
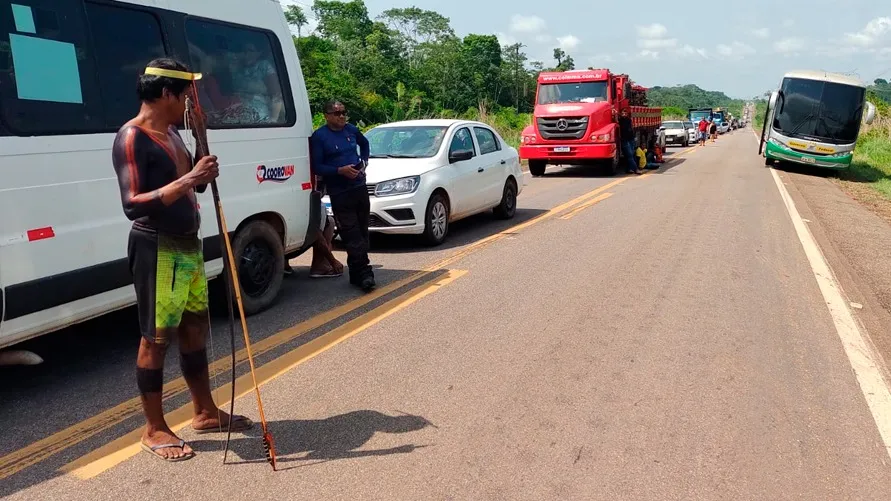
x=130 y=167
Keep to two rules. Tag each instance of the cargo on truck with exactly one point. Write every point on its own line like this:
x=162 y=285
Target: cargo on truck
x=576 y=120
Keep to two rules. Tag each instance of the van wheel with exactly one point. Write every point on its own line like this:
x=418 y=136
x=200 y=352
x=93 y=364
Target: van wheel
x=537 y=168
x=436 y=220
x=508 y=206
x=260 y=259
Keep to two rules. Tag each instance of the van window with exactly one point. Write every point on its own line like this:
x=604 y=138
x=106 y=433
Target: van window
x=241 y=85
x=47 y=77
x=125 y=41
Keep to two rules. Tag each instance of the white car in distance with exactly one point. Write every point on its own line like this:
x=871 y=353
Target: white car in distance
x=676 y=133
x=425 y=174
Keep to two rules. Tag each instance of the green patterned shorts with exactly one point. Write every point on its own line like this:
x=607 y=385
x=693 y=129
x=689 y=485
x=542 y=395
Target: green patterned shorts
x=168 y=274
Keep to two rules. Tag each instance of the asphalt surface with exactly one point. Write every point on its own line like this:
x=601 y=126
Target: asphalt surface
x=663 y=338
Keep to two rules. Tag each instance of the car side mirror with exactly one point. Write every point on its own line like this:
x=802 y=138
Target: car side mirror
x=460 y=156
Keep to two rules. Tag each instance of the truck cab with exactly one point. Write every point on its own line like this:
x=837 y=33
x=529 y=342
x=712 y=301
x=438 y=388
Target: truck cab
x=576 y=119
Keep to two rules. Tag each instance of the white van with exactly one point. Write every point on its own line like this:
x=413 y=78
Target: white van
x=68 y=72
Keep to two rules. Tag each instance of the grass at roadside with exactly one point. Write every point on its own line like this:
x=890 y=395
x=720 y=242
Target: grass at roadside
x=872 y=164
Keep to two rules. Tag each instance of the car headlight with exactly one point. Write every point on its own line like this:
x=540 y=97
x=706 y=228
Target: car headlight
x=401 y=186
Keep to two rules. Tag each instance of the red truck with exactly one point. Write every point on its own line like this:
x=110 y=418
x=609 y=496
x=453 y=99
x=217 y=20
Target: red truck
x=576 y=119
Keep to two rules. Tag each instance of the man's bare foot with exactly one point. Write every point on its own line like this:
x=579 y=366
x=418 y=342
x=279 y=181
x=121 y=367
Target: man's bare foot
x=213 y=423
x=177 y=450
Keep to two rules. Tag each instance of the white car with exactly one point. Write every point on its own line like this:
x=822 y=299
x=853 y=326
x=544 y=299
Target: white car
x=676 y=133
x=692 y=131
x=723 y=128
x=425 y=174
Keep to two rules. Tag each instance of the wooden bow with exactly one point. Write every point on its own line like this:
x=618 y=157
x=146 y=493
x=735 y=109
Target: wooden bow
x=198 y=124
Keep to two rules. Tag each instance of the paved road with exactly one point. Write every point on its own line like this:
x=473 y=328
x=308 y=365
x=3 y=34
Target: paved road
x=654 y=337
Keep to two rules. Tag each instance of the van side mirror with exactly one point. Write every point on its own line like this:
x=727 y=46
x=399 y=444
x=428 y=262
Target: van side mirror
x=870 y=113
x=460 y=156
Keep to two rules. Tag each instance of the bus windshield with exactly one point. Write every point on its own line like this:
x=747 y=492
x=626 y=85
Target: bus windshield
x=824 y=111
x=585 y=92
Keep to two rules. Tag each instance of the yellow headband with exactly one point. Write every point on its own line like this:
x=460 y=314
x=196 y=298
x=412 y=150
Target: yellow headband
x=181 y=75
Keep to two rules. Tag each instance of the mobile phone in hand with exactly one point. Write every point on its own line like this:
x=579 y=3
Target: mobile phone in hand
x=361 y=166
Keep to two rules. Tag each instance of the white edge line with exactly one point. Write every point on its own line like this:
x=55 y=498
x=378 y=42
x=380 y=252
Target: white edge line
x=859 y=351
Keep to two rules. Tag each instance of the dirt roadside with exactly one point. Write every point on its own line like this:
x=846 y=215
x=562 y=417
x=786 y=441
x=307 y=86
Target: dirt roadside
x=855 y=237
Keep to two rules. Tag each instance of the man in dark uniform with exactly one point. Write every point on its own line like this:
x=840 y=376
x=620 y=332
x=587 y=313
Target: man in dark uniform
x=339 y=154
x=158 y=183
x=626 y=133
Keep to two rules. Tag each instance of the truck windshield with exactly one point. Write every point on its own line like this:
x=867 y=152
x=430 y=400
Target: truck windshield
x=699 y=115
x=585 y=92
x=820 y=110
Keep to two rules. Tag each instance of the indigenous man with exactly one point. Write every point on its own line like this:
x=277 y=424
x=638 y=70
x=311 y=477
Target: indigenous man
x=158 y=185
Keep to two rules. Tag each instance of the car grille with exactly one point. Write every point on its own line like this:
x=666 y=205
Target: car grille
x=371 y=188
x=550 y=128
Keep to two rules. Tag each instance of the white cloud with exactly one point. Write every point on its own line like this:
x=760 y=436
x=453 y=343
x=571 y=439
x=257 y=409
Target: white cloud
x=657 y=43
x=874 y=33
x=690 y=51
x=762 y=33
x=788 y=23
x=505 y=39
x=568 y=42
x=789 y=45
x=600 y=59
x=527 y=24
x=648 y=54
x=654 y=30
x=736 y=50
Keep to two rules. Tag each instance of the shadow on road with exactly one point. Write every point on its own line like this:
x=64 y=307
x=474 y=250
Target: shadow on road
x=89 y=369
x=461 y=233
x=794 y=168
x=323 y=440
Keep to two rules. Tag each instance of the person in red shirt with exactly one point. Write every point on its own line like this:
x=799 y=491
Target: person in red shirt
x=703 y=131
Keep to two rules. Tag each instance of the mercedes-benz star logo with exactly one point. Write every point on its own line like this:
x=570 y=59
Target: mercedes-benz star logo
x=562 y=124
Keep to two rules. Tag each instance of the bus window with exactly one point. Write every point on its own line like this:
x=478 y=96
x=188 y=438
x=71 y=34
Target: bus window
x=47 y=78
x=242 y=84
x=125 y=41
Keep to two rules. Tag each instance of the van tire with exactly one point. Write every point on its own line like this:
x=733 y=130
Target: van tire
x=260 y=260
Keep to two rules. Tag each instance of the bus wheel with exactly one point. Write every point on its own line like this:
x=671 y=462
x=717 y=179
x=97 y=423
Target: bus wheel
x=768 y=161
x=260 y=259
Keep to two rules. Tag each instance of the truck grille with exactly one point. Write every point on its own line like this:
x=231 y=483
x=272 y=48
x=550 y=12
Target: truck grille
x=562 y=127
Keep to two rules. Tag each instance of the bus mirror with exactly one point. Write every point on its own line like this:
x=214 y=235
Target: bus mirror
x=870 y=112
x=773 y=99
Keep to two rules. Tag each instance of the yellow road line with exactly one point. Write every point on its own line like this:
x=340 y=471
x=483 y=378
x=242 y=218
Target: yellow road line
x=128 y=446
x=36 y=452
x=585 y=205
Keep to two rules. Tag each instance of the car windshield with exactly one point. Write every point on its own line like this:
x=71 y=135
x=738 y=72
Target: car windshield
x=417 y=141
x=673 y=125
x=820 y=110
x=585 y=92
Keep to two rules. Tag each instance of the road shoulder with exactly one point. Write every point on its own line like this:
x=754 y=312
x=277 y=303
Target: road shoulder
x=855 y=241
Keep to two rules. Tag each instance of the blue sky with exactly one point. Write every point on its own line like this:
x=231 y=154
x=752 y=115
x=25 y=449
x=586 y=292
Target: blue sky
x=739 y=47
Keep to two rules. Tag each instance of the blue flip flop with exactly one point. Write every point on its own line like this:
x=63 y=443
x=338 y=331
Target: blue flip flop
x=153 y=450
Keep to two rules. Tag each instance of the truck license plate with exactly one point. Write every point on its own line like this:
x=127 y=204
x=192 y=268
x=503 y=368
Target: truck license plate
x=561 y=149
x=807 y=160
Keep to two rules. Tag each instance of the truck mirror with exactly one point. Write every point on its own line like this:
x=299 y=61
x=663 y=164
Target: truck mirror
x=870 y=113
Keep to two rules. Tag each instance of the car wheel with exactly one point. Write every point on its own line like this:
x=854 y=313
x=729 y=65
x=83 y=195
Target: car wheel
x=508 y=206
x=260 y=261
x=436 y=220
x=537 y=168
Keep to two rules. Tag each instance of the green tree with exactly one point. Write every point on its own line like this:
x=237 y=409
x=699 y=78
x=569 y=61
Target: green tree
x=296 y=17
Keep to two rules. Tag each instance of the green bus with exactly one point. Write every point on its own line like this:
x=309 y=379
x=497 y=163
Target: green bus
x=814 y=119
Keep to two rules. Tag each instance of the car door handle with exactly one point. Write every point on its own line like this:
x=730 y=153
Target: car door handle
x=503 y=162
x=480 y=169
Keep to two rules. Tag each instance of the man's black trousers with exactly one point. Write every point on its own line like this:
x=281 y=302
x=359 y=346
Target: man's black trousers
x=351 y=209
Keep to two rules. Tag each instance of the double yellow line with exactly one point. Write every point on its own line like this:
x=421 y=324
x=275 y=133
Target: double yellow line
x=431 y=277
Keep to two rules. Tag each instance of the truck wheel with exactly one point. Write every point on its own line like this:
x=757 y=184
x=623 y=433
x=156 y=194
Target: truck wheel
x=537 y=168
x=260 y=259
x=611 y=166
